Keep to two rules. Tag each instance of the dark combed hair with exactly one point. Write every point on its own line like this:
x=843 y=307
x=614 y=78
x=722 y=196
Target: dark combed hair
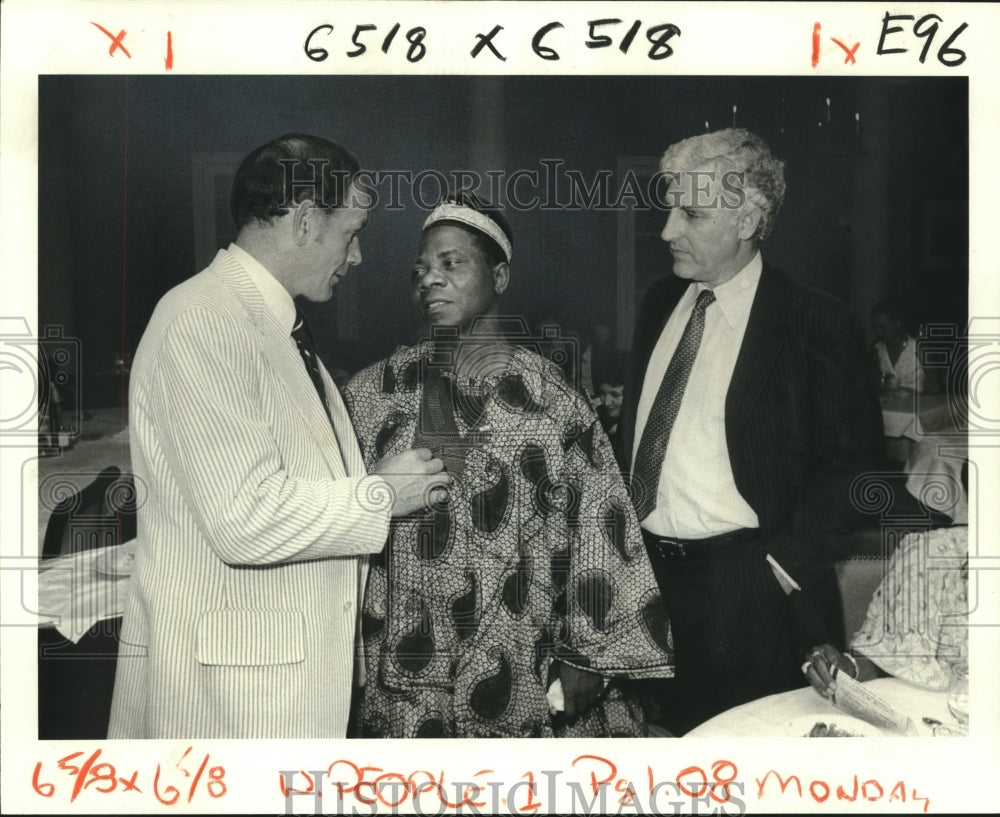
x=286 y=171
x=467 y=198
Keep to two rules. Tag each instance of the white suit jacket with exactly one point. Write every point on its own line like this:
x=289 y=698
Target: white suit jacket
x=254 y=521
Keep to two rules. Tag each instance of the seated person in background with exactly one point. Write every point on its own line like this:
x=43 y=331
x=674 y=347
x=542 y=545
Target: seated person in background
x=609 y=380
x=895 y=351
x=532 y=576
x=917 y=622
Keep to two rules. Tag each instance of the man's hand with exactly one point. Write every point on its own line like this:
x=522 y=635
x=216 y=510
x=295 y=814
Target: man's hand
x=416 y=478
x=580 y=691
x=823 y=660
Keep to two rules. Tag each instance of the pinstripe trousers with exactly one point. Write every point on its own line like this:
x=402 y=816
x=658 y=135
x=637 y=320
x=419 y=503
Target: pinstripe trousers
x=732 y=630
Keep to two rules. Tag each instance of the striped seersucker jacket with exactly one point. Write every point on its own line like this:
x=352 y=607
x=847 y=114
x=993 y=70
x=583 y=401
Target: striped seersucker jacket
x=255 y=518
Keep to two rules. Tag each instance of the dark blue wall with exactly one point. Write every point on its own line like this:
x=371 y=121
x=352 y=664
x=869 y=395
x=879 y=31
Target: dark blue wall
x=117 y=222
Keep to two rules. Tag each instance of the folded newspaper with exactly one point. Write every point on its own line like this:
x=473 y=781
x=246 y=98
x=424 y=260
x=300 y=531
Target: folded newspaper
x=857 y=699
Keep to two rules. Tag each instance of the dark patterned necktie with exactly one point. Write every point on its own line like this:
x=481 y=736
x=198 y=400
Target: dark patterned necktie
x=307 y=348
x=656 y=434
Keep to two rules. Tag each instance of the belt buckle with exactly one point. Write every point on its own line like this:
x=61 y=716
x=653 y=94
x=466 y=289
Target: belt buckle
x=674 y=548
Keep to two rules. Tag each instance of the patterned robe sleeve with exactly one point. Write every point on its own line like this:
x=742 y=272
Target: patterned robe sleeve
x=614 y=620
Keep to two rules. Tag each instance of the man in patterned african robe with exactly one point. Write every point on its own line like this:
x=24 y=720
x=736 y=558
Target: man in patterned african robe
x=529 y=582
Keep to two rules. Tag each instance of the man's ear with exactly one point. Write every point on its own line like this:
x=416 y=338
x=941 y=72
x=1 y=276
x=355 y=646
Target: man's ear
x=748 y=222
x=501 y=277
x=303 y=221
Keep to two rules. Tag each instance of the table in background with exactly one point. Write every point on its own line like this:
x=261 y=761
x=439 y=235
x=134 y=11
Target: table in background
x=77 y=661
x=770 y=716
x=906 y=414
x=923 y=431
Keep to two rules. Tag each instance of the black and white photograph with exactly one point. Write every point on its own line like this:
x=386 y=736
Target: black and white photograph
x=359 y=424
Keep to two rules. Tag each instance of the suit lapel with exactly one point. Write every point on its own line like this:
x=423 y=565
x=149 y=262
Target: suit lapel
x=287 y=365
x=347 y=439
x=765 y=337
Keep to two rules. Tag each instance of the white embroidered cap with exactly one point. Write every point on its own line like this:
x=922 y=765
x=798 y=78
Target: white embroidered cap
x=472 y=218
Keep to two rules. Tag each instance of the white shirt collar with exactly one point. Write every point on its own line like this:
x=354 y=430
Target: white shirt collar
x=735 y=296
x=276 y=297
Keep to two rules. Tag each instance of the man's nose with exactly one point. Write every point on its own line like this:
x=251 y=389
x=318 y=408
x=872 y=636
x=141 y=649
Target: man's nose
x=672 y=229
x=354 y=253
x=432 y=277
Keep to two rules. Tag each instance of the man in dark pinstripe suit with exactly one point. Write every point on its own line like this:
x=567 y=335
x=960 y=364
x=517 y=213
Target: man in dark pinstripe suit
x=743 y=484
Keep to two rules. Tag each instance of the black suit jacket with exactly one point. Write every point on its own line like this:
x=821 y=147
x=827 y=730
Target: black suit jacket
x=802 y=417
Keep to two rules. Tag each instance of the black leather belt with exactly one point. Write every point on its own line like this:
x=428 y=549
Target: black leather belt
x=669 y=547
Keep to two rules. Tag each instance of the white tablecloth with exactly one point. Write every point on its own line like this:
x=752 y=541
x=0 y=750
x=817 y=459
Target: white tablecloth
x=935 y=450
x=78 y=590
x=934 y=475
x=771 y=716
x=916 y=415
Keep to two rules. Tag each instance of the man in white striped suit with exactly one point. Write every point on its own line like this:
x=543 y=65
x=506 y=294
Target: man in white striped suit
x=257 y=515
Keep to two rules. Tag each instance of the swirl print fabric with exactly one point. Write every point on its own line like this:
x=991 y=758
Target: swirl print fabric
x=536 y=555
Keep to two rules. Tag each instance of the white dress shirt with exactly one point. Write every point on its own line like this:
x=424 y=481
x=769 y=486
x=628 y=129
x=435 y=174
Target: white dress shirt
x=907 y=370
x=697 y=496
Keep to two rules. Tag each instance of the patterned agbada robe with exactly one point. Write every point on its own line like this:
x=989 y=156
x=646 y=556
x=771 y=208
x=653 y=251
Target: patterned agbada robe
x=536 y=554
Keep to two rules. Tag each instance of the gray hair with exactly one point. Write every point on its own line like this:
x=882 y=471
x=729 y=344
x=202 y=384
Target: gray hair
x=738 y=151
